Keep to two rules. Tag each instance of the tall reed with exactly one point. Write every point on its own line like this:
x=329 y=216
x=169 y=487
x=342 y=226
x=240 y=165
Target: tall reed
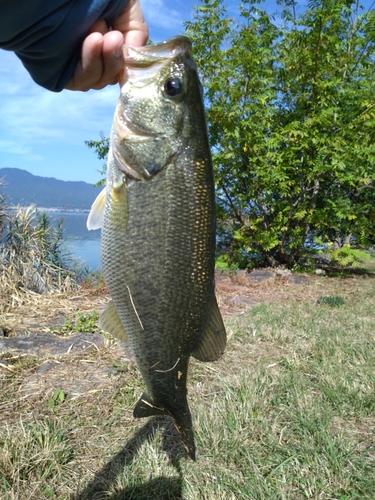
x=33 y=259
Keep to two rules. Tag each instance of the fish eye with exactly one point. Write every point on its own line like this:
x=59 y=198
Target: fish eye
x=173 y=86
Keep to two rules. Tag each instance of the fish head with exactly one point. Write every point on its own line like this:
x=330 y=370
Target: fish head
x=160 y=100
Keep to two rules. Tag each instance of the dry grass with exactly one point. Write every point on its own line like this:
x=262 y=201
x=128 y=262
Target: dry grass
x=32 y=261
x=280 y=291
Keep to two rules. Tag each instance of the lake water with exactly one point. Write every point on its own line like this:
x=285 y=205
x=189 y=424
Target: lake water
x=83 y=244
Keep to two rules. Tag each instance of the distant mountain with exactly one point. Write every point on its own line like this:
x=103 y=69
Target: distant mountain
x=21 y=187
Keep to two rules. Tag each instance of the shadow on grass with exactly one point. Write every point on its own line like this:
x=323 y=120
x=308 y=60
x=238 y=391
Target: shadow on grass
x=161 y=488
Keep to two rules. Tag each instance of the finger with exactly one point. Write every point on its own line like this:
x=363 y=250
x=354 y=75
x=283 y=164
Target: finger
x=112 y=57
x=132 y=24
x=102 y=56
x=101 y=61
x=90 y=67
x=99 y=27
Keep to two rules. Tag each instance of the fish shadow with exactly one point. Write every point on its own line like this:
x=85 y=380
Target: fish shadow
x=161 y=488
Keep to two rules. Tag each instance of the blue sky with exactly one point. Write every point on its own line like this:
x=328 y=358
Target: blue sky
x=44 y=132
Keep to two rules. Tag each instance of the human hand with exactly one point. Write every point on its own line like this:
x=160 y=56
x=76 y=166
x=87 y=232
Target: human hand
x=102 y=56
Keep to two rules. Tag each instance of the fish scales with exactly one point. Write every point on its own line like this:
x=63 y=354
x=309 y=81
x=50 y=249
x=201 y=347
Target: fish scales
x=158 y=230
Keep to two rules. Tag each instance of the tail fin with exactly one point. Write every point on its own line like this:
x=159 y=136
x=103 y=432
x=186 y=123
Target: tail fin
x=184 y=427
x=145 y=407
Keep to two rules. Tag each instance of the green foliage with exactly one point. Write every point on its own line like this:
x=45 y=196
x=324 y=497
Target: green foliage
x=87 y=322
x=101 y=149
x=346 y=256
x=291 y=120
x=223 y=262
x=32 y=230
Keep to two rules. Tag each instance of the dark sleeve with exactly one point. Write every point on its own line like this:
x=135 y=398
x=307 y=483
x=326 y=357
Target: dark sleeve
x=47 y=34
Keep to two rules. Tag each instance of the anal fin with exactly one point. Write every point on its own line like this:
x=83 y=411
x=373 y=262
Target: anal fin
x=214 y=339
x=146 y=408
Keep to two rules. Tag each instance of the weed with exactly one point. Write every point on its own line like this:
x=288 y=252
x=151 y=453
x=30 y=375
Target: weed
x=34 y=452
x=331 y=300
x=87 y=322
x=93 y=279
x=57 y=398
x=82 y=322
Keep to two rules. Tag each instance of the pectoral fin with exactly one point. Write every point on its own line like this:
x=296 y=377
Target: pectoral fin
x=214 y=339
x=110 y=322
x=95 y=218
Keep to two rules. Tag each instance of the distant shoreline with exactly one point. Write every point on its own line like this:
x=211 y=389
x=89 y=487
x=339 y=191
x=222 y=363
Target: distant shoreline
x=53 y=209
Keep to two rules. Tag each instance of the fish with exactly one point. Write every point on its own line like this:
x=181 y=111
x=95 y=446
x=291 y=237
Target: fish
x=157 y=220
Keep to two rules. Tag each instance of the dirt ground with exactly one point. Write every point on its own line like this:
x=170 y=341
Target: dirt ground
x=81 y=364
x=236 y=292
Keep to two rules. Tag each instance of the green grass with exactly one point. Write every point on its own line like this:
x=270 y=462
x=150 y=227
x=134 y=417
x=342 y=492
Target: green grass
x=287 y=413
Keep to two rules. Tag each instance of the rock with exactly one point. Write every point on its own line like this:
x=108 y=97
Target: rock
x=237 y=274
x=322 y=259
x=45 y=367
x=240 y=300
x=283 y=272
x=74 y=379
x=297 y=279
x=261 y=276
x=44 y=345
x=320 y=272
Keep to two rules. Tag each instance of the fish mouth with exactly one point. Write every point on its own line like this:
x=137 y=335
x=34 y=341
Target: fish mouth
x=142 y=63
x=148 y=55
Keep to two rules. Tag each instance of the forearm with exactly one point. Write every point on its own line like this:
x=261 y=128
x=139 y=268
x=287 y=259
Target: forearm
x=47 y=35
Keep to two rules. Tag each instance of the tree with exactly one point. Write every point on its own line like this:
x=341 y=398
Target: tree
x=291 y=120
x=101 y=149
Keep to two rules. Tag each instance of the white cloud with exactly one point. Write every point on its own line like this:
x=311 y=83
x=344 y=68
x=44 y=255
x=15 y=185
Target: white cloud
x=13 y=76
x=30 y=115
x=13 y=147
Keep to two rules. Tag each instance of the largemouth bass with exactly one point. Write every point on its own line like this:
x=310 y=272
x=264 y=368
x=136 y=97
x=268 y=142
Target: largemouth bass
x=157 y=215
